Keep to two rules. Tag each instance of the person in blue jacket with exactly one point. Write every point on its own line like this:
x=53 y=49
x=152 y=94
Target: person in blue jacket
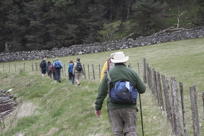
x=58 y=66
x=71 y=71
x=43 y=67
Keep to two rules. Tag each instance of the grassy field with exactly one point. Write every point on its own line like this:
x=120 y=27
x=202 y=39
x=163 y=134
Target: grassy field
x=65 y=110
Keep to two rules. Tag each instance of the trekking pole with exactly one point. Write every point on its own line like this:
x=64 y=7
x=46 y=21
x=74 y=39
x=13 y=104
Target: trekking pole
x=141 y=115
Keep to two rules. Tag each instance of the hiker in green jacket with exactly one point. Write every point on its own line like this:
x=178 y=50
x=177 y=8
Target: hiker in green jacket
x=122 y=116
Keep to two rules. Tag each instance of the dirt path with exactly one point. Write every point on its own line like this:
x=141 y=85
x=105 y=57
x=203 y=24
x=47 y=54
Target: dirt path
x=26 y=109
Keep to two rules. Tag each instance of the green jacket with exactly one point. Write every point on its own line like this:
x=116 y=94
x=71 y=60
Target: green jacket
x=119 y=72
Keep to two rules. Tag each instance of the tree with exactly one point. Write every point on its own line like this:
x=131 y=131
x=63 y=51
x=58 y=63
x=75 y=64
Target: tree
x=149 y=16
x=200 y=13
x=45 y=24
x=5 y=31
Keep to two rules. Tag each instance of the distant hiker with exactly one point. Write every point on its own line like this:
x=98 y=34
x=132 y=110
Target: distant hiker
x=122 y=84
x=106 y=66
x=53 y=71
x=71 y=71
x=43 y=67
x=78 y=71
x=58 y=66
x=49 y=69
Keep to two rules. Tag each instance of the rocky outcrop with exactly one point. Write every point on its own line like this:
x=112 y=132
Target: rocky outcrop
x=167 y=35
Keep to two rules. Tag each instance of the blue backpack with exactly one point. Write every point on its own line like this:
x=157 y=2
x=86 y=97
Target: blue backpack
x=57 y=64
x=123 y=92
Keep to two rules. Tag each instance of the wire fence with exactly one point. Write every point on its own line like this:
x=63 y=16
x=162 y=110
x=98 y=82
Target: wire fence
x=169 y=95
x=91 y=71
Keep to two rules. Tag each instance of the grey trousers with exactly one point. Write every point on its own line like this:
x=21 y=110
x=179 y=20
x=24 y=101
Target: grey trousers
x=123 y=121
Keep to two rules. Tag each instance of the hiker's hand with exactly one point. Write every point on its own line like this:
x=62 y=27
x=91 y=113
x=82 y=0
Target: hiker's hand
x=98 y=113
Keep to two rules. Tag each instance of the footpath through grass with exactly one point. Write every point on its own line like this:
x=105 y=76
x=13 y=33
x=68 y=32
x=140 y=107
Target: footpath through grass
x=66 y=110
x=62 y=109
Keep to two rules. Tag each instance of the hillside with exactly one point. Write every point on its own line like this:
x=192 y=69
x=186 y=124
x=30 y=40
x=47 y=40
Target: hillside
x=50 y=109
x=63 y=109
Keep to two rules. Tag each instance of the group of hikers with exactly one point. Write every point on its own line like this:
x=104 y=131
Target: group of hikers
x=120 y=83
x=53 y=70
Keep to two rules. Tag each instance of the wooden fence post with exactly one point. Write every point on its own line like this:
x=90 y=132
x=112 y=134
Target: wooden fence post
x=147 y=75
x=65 y=71
x=145 y=71
x=62 y=71
x=9 y=67
x=183 y=109
x=160 y=93
x=99 y=71
x=203 y=104
x=177 y=109
x=138 y=66
x=32 y=67
x=3 y=67
x=194 y=108
x=88 y=72
x=93 y=72
x=173 y=108
x=152 y=81
x=166 y=88
x=84 y=70
x=155 y=80
x=15 y=66
x=36 y=66
x=24 y=67
x=150 y=78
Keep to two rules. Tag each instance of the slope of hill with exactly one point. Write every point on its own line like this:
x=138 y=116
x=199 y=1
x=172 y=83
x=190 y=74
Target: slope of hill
x=51 y=109
x=47 y=108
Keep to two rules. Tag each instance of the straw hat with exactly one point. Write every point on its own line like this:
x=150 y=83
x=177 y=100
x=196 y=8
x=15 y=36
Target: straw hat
x=119 y=57
x=111 y=56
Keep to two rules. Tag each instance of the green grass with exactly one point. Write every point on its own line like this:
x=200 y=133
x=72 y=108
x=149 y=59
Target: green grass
x=67 y=110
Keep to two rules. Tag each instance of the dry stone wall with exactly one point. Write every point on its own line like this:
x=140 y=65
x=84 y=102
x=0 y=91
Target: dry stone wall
x=167 y=35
